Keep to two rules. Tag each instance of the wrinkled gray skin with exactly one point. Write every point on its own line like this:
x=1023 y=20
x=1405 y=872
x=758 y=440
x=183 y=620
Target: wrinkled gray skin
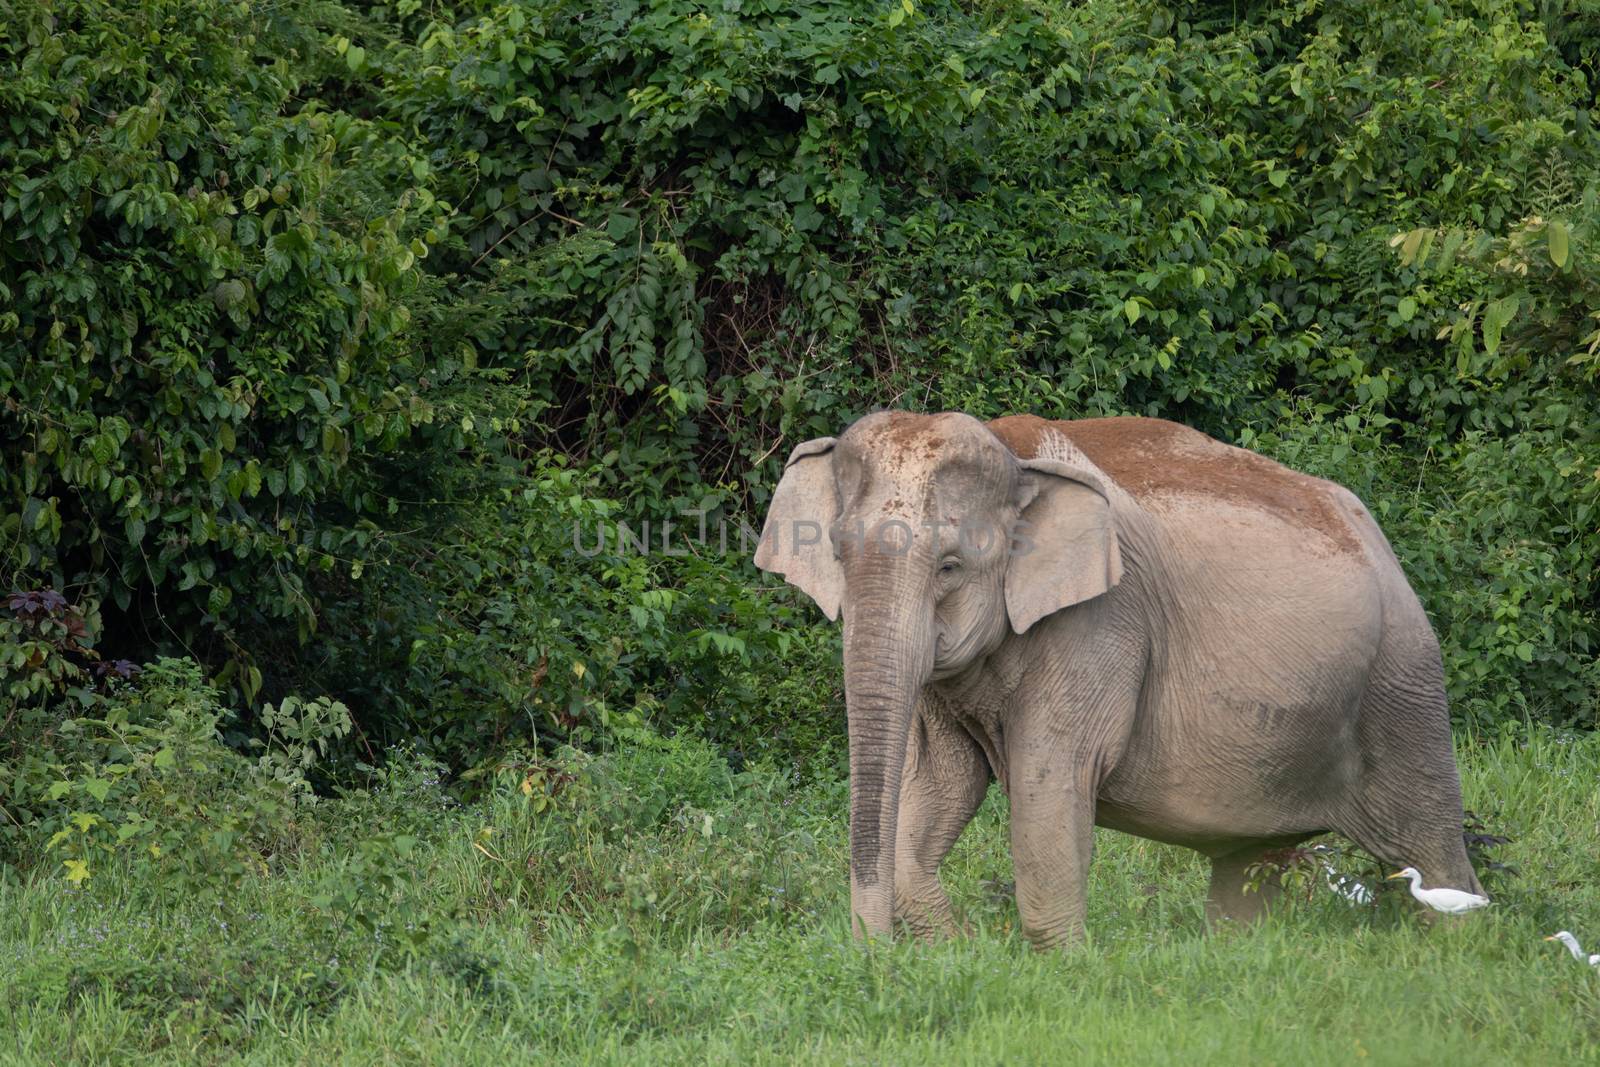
x=1203 y=648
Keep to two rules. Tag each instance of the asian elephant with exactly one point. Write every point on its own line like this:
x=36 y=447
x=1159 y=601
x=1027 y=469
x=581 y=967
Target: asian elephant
x=1171 y=637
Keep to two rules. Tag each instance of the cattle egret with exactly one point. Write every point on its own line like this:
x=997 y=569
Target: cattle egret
x=1572 y=946
x=1448 y=901
x=1347 y=887
x=1344 y=885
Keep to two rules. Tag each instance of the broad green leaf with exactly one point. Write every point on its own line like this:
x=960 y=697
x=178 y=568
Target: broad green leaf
x=1408 y=247
x=1558 y=239
x=278 y=255
x=1424 y=248
x=1495 y=318
x=1447 y=251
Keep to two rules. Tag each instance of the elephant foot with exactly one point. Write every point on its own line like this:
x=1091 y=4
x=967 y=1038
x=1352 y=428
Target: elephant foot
x=1063 y=937
x=926 y=917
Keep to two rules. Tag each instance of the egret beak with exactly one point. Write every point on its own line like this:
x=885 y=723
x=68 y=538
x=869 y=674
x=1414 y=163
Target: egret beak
x=1552 y=937
x=1393 y=876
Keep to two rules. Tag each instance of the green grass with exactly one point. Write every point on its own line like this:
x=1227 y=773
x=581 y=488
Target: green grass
x=664 y=910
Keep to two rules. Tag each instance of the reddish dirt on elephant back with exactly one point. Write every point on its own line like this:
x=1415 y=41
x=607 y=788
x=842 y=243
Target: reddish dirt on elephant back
x=1153 y=457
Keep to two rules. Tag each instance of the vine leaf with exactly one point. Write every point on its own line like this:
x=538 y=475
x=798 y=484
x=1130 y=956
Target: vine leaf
x=1558 y=238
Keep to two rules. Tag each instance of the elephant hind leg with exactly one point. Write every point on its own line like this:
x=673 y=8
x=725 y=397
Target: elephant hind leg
x=1407 y=807
x=1231 y=895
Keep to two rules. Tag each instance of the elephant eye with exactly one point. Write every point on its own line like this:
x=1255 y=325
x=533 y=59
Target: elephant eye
x=949 y=566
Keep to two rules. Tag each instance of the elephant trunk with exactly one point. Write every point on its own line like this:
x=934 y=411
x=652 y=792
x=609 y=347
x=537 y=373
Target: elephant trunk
x=888 y=658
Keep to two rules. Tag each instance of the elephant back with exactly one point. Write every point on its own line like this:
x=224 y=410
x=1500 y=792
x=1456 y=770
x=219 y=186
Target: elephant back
x=1161 y=463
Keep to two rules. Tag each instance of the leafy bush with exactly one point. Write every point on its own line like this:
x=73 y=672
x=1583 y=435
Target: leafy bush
x=1072 y=211
x=341 y=315
x=141 y=777
x=204 y=334
x=48 y=648
x=531 y=614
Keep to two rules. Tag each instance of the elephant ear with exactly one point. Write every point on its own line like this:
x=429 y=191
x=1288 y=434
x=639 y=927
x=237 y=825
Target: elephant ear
x=795 y=541
x=1065 y=550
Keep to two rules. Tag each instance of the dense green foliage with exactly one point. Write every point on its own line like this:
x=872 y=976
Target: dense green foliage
x=205 y=325
x=652 y=906
x=322 y=324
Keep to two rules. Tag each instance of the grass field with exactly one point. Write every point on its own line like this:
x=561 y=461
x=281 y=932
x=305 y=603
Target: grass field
x=665 y=910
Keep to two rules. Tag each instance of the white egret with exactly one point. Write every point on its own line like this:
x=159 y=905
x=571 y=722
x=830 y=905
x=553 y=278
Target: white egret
x=1347 y=887
x=1448 y=901
x=1571 y=942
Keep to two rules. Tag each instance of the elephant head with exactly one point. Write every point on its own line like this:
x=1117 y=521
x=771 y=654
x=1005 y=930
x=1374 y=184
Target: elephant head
x=933 y=540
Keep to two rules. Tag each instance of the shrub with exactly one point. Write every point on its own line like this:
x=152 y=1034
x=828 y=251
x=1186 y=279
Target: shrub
x=141 y=777
x=327 y=320
x=699 y=238
x=204 y=334
x=523 y=616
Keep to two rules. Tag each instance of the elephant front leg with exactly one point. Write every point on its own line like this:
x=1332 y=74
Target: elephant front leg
x=945 y=780
x=1058 y=750
x=1052 y=841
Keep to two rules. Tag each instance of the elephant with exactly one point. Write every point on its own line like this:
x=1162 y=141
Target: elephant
x=1175 y=638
